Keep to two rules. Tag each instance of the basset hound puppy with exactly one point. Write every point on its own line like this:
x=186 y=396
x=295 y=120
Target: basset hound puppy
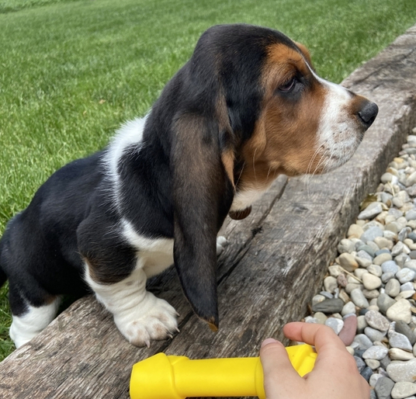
x=245 y=108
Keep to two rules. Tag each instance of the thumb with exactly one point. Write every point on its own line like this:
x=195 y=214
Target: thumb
x=280 y=378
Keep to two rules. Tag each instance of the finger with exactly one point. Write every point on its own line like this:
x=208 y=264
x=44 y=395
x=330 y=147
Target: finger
x=278 y=372
x=322 y=337
x=331 y=350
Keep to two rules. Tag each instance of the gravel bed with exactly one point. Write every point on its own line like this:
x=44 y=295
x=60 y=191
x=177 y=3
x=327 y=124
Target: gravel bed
x=369 y=295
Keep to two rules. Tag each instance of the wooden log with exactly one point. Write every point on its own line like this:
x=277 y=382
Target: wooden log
x=267 y=275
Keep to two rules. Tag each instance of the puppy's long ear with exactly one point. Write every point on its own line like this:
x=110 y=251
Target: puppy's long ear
x=202 y=194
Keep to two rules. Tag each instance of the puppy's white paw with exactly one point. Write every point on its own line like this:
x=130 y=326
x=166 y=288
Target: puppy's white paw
x=221 y=244
x=31 y=323
x=157 y=323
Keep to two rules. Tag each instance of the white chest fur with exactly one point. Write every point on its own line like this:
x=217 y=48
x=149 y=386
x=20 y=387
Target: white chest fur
x=153 y=254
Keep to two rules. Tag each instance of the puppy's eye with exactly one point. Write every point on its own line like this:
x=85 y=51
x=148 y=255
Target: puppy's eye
x=288 y=85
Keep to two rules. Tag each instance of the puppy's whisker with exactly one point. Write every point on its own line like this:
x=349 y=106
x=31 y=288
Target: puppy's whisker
x=321 y=162
x=254 y=164
x=308 y=174
x=241 y=172
x=315 y=154
x=268 y=172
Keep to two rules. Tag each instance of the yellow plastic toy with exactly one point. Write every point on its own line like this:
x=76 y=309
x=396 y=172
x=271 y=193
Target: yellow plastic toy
x=177 y=377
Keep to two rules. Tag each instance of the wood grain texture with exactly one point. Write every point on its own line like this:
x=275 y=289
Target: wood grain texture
x=273 y=265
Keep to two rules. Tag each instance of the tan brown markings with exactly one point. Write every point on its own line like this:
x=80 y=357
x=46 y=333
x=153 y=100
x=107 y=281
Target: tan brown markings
x=227 y=158
x=285 y=136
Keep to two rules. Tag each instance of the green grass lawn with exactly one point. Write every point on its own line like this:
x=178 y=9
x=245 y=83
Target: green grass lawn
x=72 y=71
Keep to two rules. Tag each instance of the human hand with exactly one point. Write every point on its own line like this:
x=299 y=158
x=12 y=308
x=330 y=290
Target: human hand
x=335 y=375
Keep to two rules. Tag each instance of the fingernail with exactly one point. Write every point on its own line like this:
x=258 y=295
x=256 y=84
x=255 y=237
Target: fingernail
x=269 y=341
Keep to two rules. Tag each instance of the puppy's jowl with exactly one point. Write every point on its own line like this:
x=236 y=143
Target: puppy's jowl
x=245 y=108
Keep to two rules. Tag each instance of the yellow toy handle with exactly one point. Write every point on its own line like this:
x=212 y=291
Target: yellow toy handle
x=177 y=377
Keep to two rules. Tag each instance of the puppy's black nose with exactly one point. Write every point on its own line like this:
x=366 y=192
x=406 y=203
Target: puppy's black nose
x=368 y=113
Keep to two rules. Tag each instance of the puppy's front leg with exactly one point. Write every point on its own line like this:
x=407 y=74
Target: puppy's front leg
x=138 y=314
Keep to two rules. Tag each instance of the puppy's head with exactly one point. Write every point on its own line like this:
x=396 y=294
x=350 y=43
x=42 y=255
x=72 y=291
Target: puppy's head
x=318 y=124
x=248 y=106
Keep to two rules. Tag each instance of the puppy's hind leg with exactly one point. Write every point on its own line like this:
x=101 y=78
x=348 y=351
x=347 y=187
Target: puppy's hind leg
x=28 y=320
